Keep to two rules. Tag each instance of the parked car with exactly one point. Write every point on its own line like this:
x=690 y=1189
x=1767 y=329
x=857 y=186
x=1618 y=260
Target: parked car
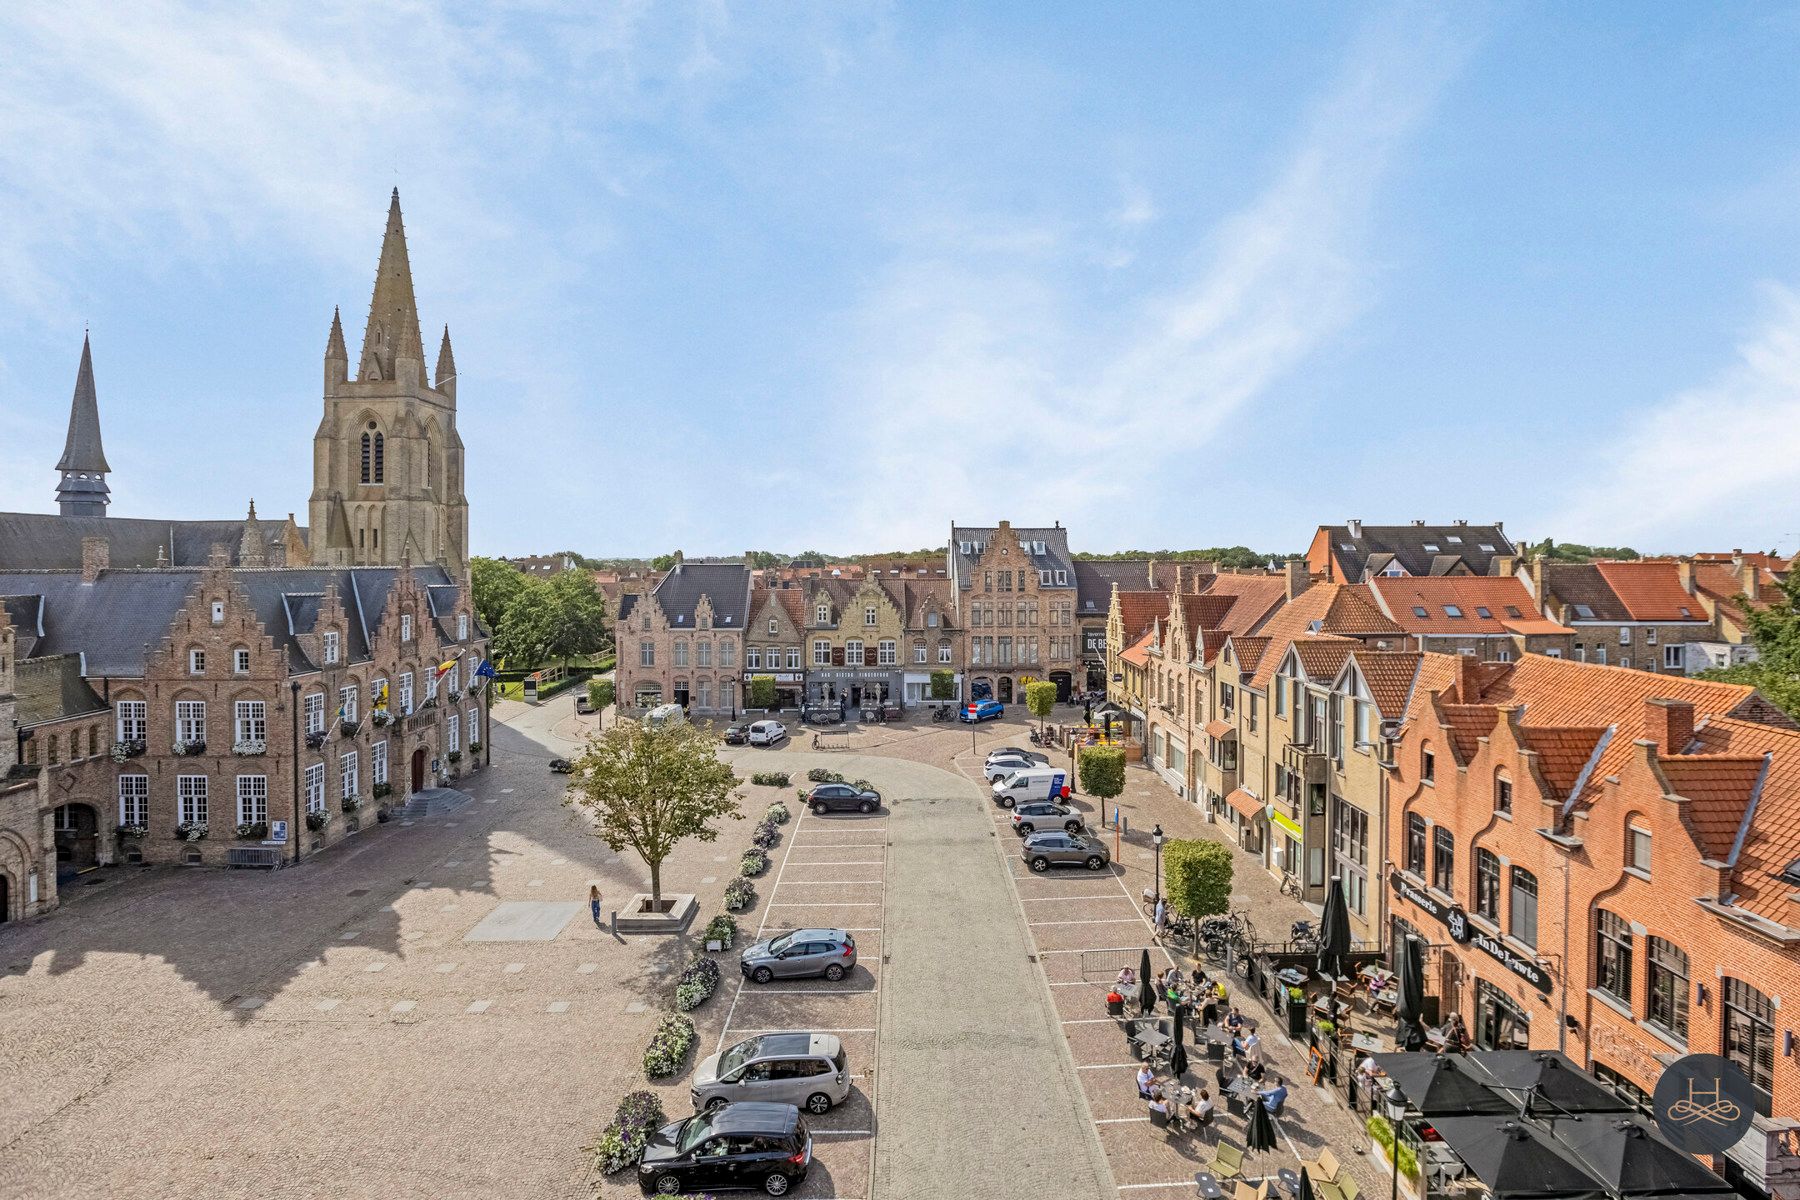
x=1030 y=783
x=582 y=703
x=665 y=714
x=561 y=766
x=842 y=797
x=766 y=733
x=977 y=711
x=1041 y=851
x=998 y=768
x=751 y=1145
x=1016 y=752
x=801 y=952
x=735 y=735
x=789 y=1067
x=1044 y=814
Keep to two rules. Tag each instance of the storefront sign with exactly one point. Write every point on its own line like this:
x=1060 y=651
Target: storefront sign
x=1285 y=822
x=1461 y=930
x=854 y=676
x=777 y=676
x=1093 y=641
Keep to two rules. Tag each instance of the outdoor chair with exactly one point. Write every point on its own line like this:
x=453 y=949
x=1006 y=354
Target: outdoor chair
x=1247 y=1191
x=1324 y=1169
x=1342 y=1188
x=1228 y=1161
x=1159 y=1119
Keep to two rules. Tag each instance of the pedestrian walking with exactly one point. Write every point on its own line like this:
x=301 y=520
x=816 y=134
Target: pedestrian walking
x=594 y=902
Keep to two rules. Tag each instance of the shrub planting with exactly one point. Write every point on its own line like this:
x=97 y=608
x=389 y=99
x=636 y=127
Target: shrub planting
x=740 y=893
x=771 y=779
x=765 y=836
x=821 y=775
x=669 y=1047
x=721 y=929
x=754 y=863
x=698 y=981
x=778 y=813
x=639 y=1115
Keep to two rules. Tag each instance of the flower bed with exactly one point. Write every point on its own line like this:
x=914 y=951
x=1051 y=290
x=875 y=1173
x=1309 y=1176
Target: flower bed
x=778 y=813
x=639 y=1115
x=740 y=893
x=754 y=863
x=821 y=775
x=698 y=981
x=669 y=1047
x=765 y=836
x=770 y=779
x=721 y=929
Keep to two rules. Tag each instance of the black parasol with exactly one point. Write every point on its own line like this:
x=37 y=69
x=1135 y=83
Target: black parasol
x=1629 y=1157
x=1518 y=1159
x=1146 y=994
x=1444 y=1085
x=1409 y=986
x=1178 y=1056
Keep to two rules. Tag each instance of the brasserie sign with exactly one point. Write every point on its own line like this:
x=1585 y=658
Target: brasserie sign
x=1456 y=921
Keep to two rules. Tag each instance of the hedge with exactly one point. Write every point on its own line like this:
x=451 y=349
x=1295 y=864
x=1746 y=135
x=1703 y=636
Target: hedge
x=771 y=779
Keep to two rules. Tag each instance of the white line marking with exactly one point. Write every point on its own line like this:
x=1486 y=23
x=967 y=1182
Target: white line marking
x=1095 y=921
x=825 y=904
x=1112 y=1067
x=1133 y=1187
x=769 y=991
x=815 y=1029
x=854 y=1132
x=834 y=882
x=1091 y=1021
x=1123 y=1121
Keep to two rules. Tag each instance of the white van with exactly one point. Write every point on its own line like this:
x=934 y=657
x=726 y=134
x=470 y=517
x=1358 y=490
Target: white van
x=665 y=714
x=1032 y=783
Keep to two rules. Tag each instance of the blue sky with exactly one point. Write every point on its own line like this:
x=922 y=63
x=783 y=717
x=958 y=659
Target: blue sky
x=793 y=276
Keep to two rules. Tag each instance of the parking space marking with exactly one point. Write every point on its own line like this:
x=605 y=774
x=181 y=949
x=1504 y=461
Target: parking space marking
x=1095 y=921
x=769 y=991
x=779 y=1029
x=1091 y=1021
x=826 y=904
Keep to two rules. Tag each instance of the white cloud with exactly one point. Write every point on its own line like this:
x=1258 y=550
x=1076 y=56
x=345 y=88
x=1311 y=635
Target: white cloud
x=973 y=392
x=1718 y=458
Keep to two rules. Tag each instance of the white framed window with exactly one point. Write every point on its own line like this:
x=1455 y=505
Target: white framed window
x=943 y=652
x=218 y=612
x=455 y=727
x=406 y=694
x=347 y=775
x=190 y=799
x=474 y=725
x=869 y=616
x=853 y=653
x=462 y=626
x=315 y=788
x=330 y=642
x=772 y=628
x=1624 y=635
x=1649 y=637
x=378 y=763
x=1624 y=660
x=823 y=614
x=252 y=799
x=1062 y=579
x=134 y=799
x=347 y=703
x=196 y=662
x=240 y=661
x=250 y=724
x=1637 y=842
x=728 y=654
x=753 y=658
x=703 y=654
x=793 y=657
x=431 y=684
x=454 y=676
x=406 y=627
x=681 y=654
x=1600 y=655
x=190 y=720
x=821 y=654
x=1672 y=656
x=886 y=653
x=646 y=654
x=133 y=720
x=919 y=653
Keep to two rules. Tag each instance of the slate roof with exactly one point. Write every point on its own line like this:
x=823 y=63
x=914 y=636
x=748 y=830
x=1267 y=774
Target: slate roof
x=51 y=688
x=1581 y=584
x=1421 y=549
x=1504 y=598
x=1056 y=555
x=1651 y=590
x=49 y=542
x=727 y=585
x=1094 y=578
x=82 y=450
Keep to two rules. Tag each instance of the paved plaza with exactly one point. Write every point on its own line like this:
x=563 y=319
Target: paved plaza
x=429 y=1010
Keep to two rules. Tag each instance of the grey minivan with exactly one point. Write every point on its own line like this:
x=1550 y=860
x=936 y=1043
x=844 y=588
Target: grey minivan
x=807 y=1070
x=827 y=952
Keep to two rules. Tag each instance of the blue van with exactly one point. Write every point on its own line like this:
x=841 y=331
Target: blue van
x=981 y=710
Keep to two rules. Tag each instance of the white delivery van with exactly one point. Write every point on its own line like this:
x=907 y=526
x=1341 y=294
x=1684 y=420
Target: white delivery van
x=665 y=714
x=1031 y=783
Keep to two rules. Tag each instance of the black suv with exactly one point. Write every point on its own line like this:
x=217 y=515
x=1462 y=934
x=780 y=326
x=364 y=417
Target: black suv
x=841 y=797
x=742 y=1145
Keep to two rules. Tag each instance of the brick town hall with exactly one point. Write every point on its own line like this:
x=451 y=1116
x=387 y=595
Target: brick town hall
x=190 y=691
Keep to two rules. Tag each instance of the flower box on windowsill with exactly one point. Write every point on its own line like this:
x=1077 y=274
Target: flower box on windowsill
x=191 y=831
x=382 y=718
x=134 y=831
x=315 y=821
x=455 y=694
x=316 y=739
x=382 y=791
x=454 y=756
x=474 y=747
x=131 y=748
x=350 y=804
x=250 y=748
x=189 y=749
x=349 y=728
x=430 y=702
x=252 y=831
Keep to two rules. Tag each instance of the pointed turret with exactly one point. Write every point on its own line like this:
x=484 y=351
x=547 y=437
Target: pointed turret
x=446 y=367
x=391 y=342
x=83 y=491
x=337 y=356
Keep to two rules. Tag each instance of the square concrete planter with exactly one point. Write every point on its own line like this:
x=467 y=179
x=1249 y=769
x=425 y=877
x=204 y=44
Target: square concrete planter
x=677 y=914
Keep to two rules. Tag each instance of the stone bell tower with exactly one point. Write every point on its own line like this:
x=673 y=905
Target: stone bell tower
x=387 y=460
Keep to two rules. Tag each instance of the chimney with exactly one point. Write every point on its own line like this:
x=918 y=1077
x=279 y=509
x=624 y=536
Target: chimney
x=1499 y=526
x=1749 y=580
x=1684 y=570
x=1355 y=524
x=1468 y=679
x=1462 y=522
x=1418 y=524
x=1298 y=578
x=1670 y=724
x=94 y=558
x=1150 y=575
x=1505 y=565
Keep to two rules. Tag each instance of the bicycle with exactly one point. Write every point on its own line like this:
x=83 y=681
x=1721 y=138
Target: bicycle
x=1290 y=885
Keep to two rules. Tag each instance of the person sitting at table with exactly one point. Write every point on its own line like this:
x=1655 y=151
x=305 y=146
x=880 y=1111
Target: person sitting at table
x=1249 y=1046
x=1127 y=980
x=1234 y=1020
x=1254 y=1069
x=1159 y=1105
x=1274 y=1097
x=1145 y=1079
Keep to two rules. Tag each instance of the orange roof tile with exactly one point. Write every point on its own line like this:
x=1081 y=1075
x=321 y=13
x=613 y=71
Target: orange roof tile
x=1257 y=597
x=1248 y=651
x=1138 y=610
x=1468 y=724
x=1422 y=605
x=1390 y=675
x=1562 y=754
x=1719 y=789
x=1138 y=654
x=1204 y=610
x=1246 y=803
x=1219 y=729
x=1333 y=606
x=1651 y=590
x=1773 y=838
x=1322 y=657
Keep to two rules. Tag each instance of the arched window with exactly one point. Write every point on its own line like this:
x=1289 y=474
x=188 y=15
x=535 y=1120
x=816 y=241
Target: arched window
x=374 y=456
x=1427 y=764
x=1669 y=986
x=1415 y=844
x=1487 y=884
x=1502 y=794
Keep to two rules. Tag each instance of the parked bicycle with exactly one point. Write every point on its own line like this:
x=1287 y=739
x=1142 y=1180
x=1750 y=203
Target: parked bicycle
x=1290 y=885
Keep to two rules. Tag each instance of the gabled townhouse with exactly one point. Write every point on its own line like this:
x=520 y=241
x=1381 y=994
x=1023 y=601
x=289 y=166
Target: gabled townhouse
x=1488 y=616
x=854 y=632
x=682 y=641
x=1129 y=618
x=1603 y=861
x=1630 y=614
x=1356 y=553
x=1015 y=592
x=1095 y=581
x=1729 y=590
x=775 y=642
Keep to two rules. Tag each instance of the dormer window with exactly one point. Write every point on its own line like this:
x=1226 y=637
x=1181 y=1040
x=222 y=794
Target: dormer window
x=330 y=646
x=822 y=614
x=931 y=620
x=1454 y=540
x=869 y=616
x=771 y=626
x=218 y=612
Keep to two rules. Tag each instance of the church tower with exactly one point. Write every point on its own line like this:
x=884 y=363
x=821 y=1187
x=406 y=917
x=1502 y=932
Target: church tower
x=387 y=460
x=82 y=490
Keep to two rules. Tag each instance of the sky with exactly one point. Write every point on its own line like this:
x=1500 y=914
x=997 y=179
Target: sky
x=793 y=276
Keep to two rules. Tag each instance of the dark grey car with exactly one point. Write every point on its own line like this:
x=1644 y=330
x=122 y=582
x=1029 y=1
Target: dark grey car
x=1042 y=851
x=1034 y=815
x=841 y=797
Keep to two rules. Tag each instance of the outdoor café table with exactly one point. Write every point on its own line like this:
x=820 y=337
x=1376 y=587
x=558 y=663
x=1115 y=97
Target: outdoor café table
x=1379 y=976
x=1292 y=976
x=1152 y=1040
x=1367 y=1043
x=1209 y=1187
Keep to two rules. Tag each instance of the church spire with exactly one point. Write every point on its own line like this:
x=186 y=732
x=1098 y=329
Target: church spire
x=392 y=337
x=446 y=367
x=83 y=491
x=337 y=358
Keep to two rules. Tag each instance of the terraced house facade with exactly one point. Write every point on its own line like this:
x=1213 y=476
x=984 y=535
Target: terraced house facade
x=1016 y=597
x=682 y=642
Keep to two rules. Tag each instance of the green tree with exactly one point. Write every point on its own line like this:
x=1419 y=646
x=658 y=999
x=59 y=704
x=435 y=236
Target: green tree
x=1198 y=875
x=525 y=634
x=663 y=562
x=600 y=693
x=1775 y=632
x=1102 y=771
x=495 y=586
x=943 y=685
x=1040 y=698
x=580 y=627
x=651 y=789
x=762 y=691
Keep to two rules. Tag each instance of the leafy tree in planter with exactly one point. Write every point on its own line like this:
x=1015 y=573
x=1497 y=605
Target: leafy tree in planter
x=762 y=691
x=651 y=789
x=1102 y=771
x=943 y=685
x=1197 y=875
x=1040 y=698
x=600 y=693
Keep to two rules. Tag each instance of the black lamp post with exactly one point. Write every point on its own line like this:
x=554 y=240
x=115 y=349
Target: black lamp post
x=1396 y=1114
x=1156 y=838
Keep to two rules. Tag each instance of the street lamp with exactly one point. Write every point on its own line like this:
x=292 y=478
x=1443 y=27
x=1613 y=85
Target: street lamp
x=1156 y=838
x=1396 y=1113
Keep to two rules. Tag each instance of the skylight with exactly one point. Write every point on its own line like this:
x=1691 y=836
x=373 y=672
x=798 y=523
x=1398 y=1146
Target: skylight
x=1450 y=610
x=1487 y=547
x=1419 y=611
x=1790 y=873
x=1584 y=612
x=1454 y=540
x=1483 y=613
x=1512 y=610
x=1686 y=614
x=1431 y=548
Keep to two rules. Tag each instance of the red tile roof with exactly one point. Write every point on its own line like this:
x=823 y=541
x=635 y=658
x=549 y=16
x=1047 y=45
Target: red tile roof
x=1390 y=676
x=1468 y=724
x=1562 y=754
x=1651 y=590
x=1219 y=729
x=1137 y=610
x=1248 y=652
x=1257 y=597
x=1334 y=607
x=1503 y=597
x=1245 y=803
x=1773 y=839
x=1138 y=653
x=1719 y=788
x=1323 y=657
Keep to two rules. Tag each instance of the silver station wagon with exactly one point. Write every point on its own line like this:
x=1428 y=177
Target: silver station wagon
x=807 y=1070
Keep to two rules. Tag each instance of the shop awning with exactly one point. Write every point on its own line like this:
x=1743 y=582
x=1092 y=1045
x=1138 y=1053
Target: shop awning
x=1246 y=803
x=1219 y=729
